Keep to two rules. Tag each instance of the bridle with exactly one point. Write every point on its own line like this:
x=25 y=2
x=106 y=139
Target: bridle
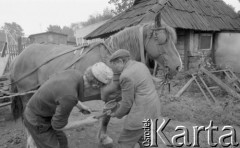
x=154 y=34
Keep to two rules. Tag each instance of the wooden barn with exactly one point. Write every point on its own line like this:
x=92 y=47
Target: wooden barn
x=49 y=37
x=198 y=24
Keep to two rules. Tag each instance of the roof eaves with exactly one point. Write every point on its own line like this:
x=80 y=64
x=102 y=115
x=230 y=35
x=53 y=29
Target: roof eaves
x=191 y=14
x=48 y=32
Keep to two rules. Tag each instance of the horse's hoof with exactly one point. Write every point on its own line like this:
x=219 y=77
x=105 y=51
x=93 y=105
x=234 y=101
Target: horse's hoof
x=106 y=140
x=106 y=146
x=137 y=145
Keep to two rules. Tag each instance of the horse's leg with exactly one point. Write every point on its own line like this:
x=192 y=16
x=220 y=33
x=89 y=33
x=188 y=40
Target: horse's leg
x=18 y=103
x=25 y=100
x=102 y=134
x=108 y=93
x=104 y=124
x=30 y=141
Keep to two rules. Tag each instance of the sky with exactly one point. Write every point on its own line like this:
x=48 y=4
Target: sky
x=34 y=16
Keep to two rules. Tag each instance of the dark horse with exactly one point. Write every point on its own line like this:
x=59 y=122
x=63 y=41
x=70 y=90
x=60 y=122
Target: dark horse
x=38 y=61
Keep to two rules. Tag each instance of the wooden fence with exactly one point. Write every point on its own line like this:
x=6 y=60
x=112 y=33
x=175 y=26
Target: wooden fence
x=13 y=50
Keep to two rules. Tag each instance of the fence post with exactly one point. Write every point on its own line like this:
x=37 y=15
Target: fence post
x=4 y=50
x=19 y=45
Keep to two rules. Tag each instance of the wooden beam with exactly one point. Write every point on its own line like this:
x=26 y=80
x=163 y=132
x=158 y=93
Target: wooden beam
x=5 y=104
x=18 y=94
x=209 y=91
x=186 y=50
x=200 y=87
x=221 y=84
x=214 y=47
x=181 y=91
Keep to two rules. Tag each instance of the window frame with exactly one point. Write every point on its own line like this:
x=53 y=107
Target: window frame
x=211 y=41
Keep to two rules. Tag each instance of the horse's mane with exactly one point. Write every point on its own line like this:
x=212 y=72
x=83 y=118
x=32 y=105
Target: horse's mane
x=126 y=39
x=129 y=38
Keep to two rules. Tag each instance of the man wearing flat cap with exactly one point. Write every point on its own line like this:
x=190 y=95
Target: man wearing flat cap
x=139 y=97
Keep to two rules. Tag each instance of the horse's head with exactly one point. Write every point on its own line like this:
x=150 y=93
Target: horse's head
x=159 y=44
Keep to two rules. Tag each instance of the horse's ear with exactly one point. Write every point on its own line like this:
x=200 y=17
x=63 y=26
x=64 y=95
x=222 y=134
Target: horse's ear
x=158 y=20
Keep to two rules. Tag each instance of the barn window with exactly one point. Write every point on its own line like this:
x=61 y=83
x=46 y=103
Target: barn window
x=205 y=41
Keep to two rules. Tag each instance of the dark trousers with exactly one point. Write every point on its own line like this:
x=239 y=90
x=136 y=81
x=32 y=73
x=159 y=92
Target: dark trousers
x=45 y=136
x=128 y=138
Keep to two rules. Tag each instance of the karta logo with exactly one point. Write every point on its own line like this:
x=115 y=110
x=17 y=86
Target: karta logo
x=152 y=132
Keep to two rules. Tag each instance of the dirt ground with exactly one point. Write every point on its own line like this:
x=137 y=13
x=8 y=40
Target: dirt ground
x=191 y=109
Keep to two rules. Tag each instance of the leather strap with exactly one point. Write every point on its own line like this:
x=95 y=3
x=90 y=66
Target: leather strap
x=142 y=46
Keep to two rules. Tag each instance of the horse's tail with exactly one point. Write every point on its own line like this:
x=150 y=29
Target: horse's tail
x=17 y=105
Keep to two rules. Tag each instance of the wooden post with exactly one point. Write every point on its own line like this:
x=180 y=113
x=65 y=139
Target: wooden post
x=214 y=47
x=4 y=50
x=221 y=84
x=19 y=45
x=186 y=50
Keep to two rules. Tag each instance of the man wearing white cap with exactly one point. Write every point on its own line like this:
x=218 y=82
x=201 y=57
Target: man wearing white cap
x=46 y=114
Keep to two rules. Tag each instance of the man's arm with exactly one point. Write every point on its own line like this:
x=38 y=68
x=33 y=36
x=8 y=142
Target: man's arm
x=83 y=108
x=62 y=113
x=128 y=92
x=76 y=124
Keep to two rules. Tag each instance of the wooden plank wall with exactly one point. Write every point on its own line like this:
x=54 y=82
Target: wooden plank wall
x=188 y=47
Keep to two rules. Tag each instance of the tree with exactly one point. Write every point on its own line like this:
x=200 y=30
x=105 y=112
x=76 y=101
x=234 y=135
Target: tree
x=107 y=14
x=54 y=28
x=14 y=29
x=68 y=31
x=74 y=26
x=121 y=5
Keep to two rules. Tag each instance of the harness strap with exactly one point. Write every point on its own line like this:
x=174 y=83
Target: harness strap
x=142 y=45
x=81 y=56
x=44 y=63
x=63 y=53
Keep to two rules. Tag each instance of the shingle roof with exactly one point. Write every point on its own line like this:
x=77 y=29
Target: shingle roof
x=204 y=15
x=81 y=32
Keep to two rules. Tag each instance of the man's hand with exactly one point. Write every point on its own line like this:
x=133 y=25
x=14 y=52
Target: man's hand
x=90 y=120
x=110 y=113
x=83 y=108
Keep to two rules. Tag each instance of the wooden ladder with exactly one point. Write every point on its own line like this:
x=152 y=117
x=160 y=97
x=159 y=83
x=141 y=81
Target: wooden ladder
x=233 y=80
x=206 y=90
x=232 y=87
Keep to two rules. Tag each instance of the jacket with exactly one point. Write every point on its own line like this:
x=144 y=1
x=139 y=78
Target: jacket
x=139 y=96
x=52 y=104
